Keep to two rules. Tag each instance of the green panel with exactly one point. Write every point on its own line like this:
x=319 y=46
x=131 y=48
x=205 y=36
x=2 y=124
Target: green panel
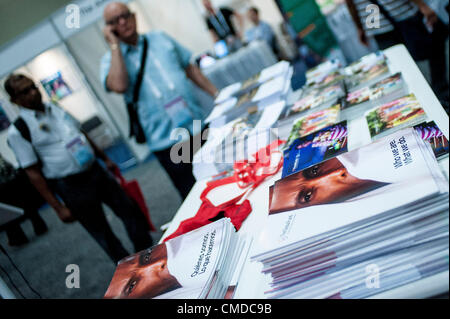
x=321 y=39
x=303 y=15
x=288 y=5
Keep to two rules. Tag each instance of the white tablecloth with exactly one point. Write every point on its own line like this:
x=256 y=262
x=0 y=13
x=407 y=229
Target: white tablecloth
x=251 y=282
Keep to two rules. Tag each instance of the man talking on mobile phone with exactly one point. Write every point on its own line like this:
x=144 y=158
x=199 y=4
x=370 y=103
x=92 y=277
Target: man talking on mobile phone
x=152 y=71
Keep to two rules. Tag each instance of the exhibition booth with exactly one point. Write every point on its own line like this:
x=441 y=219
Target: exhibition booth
x=235 y=235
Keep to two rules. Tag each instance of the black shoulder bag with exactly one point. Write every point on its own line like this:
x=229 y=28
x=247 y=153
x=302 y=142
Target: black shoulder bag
x=136 y=129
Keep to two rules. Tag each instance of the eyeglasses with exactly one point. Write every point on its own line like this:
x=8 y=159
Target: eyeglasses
x=115 y=20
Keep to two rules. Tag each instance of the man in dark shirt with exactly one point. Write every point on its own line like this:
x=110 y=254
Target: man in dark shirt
x=220 y=24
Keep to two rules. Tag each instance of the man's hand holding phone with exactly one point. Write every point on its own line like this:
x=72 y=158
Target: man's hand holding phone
x=110 y=36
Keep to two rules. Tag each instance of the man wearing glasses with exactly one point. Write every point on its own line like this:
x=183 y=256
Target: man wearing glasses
x=165 y=100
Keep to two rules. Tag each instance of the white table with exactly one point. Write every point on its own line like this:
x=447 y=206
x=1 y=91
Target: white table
x=251 y=281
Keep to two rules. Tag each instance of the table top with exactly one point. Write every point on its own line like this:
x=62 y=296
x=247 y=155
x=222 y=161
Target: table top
x=251 y=281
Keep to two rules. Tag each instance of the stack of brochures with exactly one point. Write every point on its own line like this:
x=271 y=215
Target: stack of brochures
x=333 y=140
x=249 y=133
x=202 y=264
x=357 y=224
x=313 y=122
x=322 y=70
x=431 y=133
x=270 y=83
x=325 y=74
x=366 y=71
x=383 y=91
x=315 y=148
x=403 y=112
x=316 y=100
x=236 y=140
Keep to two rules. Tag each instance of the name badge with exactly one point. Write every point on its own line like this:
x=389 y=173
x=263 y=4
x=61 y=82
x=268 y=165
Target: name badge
x=178 y=111
x=80 y=151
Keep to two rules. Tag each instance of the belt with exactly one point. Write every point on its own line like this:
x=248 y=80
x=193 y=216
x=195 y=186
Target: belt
x=78 y=176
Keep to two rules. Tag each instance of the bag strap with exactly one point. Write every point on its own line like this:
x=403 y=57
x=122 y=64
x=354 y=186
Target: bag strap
x=23 y=129
x=140 y=76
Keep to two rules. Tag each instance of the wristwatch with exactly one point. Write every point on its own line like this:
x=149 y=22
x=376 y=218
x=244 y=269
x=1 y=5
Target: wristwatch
x=114 y=46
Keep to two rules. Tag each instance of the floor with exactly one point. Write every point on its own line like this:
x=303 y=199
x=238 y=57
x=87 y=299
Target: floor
x=43 y=261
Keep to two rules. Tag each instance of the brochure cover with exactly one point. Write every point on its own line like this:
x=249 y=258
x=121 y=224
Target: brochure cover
x=320 y=71
x=365 y=63
x=327 y=79
x=313 y=122
x=179 y=268
x=400 y=112
x=56 y=87
x=246 y=123
x=262 y=77
x=316 y=98
x=430 y=132
x=367 y=69
x=376 y=91
x=250 y=82
x=315 y=148
x=388 y=174
x=246 y=98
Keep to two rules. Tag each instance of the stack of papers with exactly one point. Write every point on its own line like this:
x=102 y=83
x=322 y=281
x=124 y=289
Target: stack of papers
x=383 y=91
x=431 y=133
x=405 y=111
x=358 y=224
x=366 y=71
x=313 y=122
x=236 y=140
x=201 y=264
x=269 y=83
x=316 y=100
x=315 y=148
x=324 y=74
x=249 y=134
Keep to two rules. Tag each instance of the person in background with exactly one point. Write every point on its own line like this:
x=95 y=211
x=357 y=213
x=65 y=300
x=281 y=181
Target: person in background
x=61 y=161
x=221 y=27
x=413 y=20
x=166 y=100
x=261 y=31
x=16 y=190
